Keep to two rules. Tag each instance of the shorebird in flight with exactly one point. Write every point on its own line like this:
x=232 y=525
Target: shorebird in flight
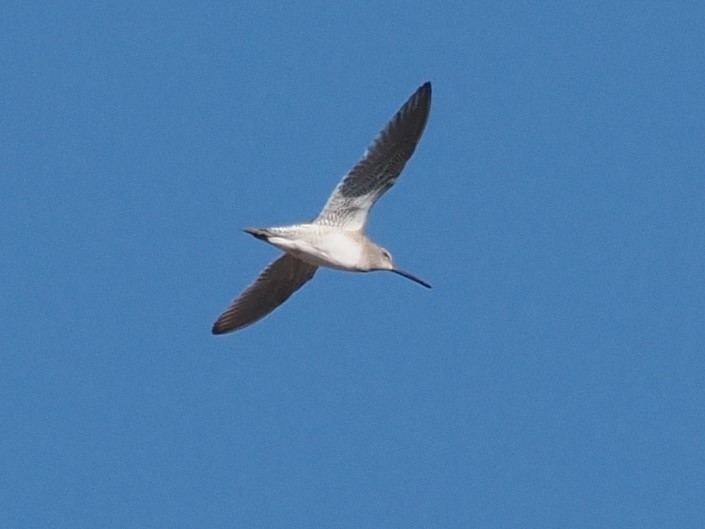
x=336 y=238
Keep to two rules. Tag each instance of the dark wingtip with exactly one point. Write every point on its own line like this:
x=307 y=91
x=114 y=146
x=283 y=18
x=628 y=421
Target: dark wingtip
x=219 y=327
x=415 y=111
x=424 y=90
x=223 y=325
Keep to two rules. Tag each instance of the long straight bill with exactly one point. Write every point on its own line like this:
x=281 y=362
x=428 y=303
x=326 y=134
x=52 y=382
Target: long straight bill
x=410 y=276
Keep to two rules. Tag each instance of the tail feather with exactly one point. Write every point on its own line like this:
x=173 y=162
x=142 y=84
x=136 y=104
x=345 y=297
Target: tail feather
x=259 y=233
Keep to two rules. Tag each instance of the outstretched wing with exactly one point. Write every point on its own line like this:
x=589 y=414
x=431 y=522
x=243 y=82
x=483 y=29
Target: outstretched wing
x=273 y=287
x=379 y=168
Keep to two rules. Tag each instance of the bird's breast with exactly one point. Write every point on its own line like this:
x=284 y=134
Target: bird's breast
x=329 y=248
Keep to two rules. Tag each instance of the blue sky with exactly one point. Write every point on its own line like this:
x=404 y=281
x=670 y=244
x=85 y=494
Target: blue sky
x=553 y=377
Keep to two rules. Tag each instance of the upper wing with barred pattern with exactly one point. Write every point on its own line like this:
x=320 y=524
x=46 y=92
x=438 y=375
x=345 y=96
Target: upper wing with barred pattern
x=380 y=166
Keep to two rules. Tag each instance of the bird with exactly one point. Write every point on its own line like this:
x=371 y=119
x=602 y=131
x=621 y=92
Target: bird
x=336 y=237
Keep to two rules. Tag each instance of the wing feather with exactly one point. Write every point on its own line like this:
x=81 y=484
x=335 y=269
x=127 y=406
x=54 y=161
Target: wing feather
x=274 y=286
x=380 y=166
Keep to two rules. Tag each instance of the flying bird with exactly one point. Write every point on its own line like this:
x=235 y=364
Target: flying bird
x=336 y=238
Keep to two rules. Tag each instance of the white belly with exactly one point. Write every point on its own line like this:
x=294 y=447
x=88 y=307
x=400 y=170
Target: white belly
x=332 y=249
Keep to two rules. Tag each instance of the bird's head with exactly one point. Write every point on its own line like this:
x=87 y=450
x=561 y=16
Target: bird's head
x=383 y=260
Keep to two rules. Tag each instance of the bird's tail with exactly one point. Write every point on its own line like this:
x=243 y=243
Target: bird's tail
x=260 y=233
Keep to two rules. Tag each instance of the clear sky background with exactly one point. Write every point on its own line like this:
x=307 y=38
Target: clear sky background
x=553 y=377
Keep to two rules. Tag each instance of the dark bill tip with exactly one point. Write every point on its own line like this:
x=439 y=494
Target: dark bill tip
x=410 y=276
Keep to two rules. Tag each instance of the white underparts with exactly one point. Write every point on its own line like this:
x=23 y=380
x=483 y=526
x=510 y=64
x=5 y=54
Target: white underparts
x=329 y=248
